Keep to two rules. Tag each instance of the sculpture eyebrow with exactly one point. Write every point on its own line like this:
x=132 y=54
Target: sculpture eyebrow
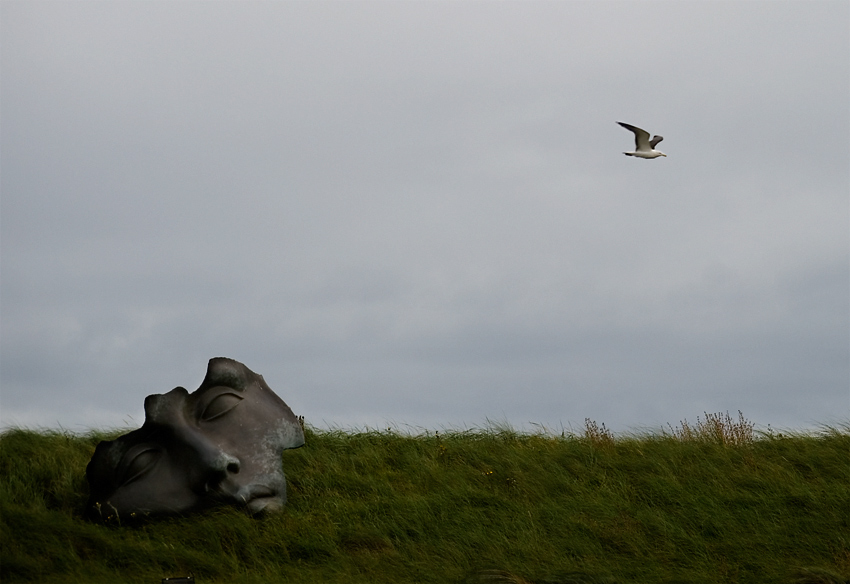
x=231 y=379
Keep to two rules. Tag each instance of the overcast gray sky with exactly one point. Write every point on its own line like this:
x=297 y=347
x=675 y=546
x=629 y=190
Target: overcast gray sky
x=419 y=213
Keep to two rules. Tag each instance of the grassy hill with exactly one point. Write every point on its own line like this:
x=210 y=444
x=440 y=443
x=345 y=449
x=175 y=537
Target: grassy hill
x=703 y=503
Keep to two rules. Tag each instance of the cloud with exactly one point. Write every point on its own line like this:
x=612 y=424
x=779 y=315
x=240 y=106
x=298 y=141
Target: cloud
x=421 y=213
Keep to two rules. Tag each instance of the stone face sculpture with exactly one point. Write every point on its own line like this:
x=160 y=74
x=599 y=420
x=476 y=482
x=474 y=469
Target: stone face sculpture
x=220 y=444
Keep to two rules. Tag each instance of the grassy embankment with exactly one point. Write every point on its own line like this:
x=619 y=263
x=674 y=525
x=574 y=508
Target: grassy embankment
x=704 y=503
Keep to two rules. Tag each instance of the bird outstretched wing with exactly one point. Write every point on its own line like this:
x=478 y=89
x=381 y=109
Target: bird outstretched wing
x=655 y=140
x=641 y=136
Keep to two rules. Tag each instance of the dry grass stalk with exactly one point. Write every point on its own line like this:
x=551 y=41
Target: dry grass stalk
x=717 y=428
x=599 y=436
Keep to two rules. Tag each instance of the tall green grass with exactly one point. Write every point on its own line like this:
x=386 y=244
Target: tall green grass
x=710 y=502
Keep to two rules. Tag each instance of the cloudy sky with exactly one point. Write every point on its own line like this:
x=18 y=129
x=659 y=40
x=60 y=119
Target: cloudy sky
x=418 y=214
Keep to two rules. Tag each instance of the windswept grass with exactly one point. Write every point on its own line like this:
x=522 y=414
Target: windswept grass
x=711 y=502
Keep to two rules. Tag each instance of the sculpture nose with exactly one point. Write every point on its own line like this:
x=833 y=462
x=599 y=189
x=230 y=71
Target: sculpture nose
x=213 y=464
x=217 y=469
x=219 y=462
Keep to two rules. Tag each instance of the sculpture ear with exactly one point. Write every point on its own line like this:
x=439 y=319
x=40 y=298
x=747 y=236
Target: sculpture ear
x=227 y=372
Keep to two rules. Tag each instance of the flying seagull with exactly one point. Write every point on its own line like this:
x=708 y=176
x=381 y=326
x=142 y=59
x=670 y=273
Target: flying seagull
x=644 y=147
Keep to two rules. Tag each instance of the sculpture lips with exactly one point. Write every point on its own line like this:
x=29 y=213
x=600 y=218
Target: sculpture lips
x=248 y=494
x=244 y=496
x=260 y=499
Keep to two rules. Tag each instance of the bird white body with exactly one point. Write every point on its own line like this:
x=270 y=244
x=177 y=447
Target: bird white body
x=650 y=154
x=644 y=147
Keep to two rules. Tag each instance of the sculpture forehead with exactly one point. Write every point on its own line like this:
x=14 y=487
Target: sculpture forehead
x=222 y=371
x=166 y=407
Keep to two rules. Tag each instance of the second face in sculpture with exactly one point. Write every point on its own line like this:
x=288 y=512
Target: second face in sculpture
x=221 y=444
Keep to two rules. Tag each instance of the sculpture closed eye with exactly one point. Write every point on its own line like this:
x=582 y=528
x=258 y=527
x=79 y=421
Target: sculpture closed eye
x=139 y=464
x=220 y=406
